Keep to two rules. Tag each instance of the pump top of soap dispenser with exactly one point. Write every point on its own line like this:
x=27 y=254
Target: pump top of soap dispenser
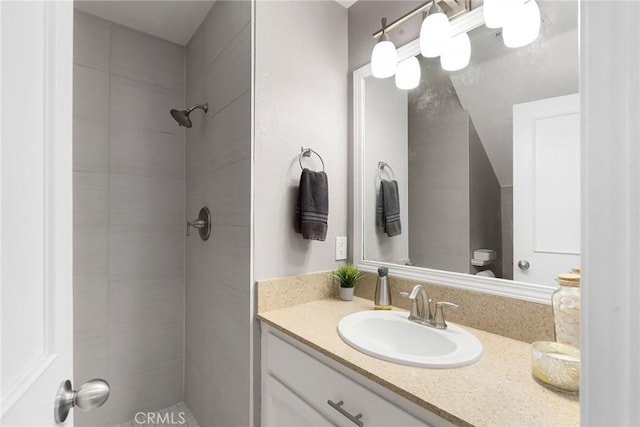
x=383 y=291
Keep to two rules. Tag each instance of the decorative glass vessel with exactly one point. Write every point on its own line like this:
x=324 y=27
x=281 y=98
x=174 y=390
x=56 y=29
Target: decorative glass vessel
x=567 y=308
x=556 y=366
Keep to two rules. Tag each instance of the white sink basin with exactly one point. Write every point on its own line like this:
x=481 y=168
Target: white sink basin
x=389 y=335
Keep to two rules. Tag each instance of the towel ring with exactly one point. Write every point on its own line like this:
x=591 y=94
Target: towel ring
x=306 y=152
x=381 y=166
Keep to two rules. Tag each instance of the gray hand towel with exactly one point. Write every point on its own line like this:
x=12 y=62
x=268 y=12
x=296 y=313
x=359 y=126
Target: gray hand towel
x=312 y=209
x=388 y=208
x=380 y=210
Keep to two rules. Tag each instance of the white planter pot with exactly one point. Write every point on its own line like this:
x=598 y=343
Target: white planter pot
x=346 y=294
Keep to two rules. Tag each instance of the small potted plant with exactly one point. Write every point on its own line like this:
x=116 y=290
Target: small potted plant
x=347 y=276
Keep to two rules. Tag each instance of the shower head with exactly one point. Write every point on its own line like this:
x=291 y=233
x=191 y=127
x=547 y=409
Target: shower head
x=182 y=116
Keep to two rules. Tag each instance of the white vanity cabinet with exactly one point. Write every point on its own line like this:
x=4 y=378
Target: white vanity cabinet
x=298 y=384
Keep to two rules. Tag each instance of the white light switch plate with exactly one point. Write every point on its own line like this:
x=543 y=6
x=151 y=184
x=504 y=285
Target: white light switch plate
x=341 y=248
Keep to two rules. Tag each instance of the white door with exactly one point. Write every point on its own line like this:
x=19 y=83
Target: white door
x=546 y=188
x=36 y=208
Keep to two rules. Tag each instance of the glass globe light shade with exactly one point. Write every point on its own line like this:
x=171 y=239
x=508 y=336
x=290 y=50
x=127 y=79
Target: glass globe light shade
x=408 y=74
x=522 y=26
x=384 y=58
x=457 y=54
x=495 y=12
x=435 y=33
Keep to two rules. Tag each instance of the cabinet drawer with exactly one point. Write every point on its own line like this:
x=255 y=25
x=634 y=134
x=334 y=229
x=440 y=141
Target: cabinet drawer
x=283 y=408
x=316 y=383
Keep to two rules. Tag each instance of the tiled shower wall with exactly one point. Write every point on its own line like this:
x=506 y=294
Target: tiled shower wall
x=129 y=190
x=218 y=171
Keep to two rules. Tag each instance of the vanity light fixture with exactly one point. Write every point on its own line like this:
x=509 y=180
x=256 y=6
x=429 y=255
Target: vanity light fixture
x=519 y=19
x=457 y=53
x=523 y=24
x=495 y=12
x=435 y=32
x=408 y=74
x=384 y=58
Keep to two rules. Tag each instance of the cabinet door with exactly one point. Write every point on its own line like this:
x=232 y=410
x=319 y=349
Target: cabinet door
x=282 y=408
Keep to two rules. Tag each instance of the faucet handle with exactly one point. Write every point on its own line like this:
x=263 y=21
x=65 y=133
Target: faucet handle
x=413 y=314
x=439 y=317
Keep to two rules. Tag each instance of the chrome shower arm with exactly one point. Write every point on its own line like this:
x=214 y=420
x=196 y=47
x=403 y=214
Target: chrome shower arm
x=203 y=107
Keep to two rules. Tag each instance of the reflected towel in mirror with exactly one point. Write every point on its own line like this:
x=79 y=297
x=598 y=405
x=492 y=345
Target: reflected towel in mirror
x=312 y=208
x=388 y=208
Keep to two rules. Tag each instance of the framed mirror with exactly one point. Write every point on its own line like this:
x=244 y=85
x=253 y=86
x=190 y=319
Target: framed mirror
x=486 y=163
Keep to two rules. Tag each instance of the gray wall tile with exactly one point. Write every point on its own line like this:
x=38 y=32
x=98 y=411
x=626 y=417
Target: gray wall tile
x=144 y=250
x=91 y=147
x=145 y=200
x=90 y=358
x=91 y=41
x=90 y=94
x=223 y=23
x=147 y=153
x=229 y=75
x=91 y=250
x=90 y=198
x=129 y=194
x=90 y=298
x=147 y=59
x=218 y=175
x=140 y=105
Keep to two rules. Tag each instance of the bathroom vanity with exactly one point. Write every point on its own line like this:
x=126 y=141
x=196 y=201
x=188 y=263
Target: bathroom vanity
x=306 y=365
x=302 y=387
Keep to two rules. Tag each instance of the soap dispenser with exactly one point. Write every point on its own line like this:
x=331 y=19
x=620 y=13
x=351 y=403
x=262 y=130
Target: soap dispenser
x=383 y=291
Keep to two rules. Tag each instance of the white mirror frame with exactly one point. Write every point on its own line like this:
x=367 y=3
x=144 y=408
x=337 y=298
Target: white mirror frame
x=501 y=287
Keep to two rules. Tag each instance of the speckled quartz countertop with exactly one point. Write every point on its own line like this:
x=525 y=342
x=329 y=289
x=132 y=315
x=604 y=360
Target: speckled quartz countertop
x=496 y=391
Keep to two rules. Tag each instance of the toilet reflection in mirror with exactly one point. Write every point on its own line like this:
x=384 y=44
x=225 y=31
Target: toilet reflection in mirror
x=487 y=159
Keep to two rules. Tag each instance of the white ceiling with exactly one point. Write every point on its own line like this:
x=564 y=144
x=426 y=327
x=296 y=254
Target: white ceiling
x=346 y=3
x=175 y=21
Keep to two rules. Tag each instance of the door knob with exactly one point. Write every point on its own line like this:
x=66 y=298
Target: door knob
x=523 y=264
x=89 y=395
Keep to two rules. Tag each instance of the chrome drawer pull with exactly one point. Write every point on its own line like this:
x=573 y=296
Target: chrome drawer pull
x=338 y=407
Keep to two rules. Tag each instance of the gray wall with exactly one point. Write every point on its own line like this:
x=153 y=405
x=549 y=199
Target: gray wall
x=454 y=195
x=128 y=218
x=301 y=100
x=218 y=171
x=438 y=174
x=385 y=125
x=506 y=200
x=485 y=226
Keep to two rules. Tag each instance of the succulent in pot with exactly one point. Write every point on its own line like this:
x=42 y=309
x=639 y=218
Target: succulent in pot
x=347 y=276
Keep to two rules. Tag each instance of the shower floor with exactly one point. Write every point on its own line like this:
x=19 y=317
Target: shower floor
x=177 y=415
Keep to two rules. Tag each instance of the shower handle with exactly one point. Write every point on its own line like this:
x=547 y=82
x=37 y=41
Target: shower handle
x=202 y=224
x=198 y=223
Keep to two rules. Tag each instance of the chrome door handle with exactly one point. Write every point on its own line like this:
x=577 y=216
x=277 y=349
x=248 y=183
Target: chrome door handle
x=89 y=395
x=354 y=418
x=523 y=264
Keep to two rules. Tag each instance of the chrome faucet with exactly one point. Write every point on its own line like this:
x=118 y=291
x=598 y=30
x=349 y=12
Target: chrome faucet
x=424 y=316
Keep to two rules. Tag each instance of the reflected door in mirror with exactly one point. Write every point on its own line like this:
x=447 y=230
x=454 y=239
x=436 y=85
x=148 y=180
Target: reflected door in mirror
x=546 y=188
